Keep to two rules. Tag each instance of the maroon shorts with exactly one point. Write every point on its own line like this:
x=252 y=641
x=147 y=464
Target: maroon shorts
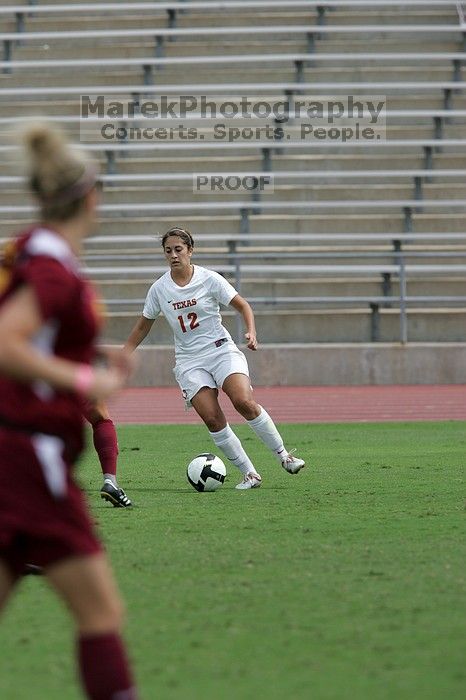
x=43 y=514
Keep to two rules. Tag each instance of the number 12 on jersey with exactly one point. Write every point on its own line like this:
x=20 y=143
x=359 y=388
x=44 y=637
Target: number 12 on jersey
x=193 y=323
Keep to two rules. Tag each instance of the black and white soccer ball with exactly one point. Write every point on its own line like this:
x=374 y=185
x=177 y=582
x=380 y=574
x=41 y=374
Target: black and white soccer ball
x=206 y=472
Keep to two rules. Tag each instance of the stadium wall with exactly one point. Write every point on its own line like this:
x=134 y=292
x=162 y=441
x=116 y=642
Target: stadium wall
x=329 y=364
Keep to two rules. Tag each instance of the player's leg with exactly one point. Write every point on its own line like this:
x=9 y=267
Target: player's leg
x=87 y=586
x=206 y=405
x=106 y=446
x=7 y=583
x=238 y=388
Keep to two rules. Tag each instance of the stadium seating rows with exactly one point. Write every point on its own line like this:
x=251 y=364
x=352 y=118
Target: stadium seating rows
x=314 y=267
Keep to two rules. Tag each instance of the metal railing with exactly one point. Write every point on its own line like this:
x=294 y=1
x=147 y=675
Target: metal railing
x=286 y=88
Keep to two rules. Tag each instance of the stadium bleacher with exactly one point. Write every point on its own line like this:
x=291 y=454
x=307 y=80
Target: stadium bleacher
x=359 y=241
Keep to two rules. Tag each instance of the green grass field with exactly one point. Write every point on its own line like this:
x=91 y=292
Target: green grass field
x=346 y=581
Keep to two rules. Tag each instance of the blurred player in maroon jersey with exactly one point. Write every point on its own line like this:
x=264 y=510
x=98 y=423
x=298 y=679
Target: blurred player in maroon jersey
x=48 y=323
x=106 y=445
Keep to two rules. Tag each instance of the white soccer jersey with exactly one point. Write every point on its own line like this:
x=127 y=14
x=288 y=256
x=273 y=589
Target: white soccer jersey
x=192 y=311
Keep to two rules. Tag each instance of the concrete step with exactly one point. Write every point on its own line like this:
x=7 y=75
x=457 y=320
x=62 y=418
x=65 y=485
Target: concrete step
x=448 y=160
x=145 y=47
x=232 y=223
x=170 y=165
x=354 y=223
x=277 y=223
x=315 y=326
x=153 y=257
x=69 y=106
x=414 y=44
x=40 y=106
x=388 y=71
x=444 y=191
x=134 y=257
x=287 y=207
x=296 y=287
x=389 y=44
x=203 y=45
x=283 y=193
x=216 y=41
x=63 y=77
x=391 y=15
x=257 y=72
x=94 y=21
x=235 y=161
x=136 y=19
x=431 y=222
x=106 y=75
x=278 y=158
x=379 y=37
x=297 y=163
x=319 y=326
x=243 y=131
x=257 y=132
x=213 y=244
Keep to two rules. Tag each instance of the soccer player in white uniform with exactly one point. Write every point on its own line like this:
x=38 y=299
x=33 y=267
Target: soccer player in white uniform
x=206 y=358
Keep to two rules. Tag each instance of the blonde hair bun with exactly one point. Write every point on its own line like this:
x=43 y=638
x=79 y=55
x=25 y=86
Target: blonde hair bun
x=59 y=175
x=42 y=141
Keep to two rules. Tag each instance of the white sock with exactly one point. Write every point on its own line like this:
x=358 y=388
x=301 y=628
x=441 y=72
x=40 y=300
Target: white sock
x=265 y=429
x=112 y=479
x=233 y=450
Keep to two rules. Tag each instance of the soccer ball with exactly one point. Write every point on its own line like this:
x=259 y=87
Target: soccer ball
x=206 y=472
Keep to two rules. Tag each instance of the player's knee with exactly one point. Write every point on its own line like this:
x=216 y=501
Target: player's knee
x=214 y=422
x=247 y=407
x=108 y=617
x=116 y=610
x=96 y=412
x=92 y=416
x=118 y=613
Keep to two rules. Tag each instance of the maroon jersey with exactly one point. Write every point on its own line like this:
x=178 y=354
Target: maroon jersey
x=43 y=260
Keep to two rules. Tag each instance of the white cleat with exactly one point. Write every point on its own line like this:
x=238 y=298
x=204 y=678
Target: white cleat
x=291 y=464
x=250 y=481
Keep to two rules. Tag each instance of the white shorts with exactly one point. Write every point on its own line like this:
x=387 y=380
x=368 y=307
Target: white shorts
x=211 y=370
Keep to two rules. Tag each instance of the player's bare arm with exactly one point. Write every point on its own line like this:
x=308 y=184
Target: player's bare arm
x=139 y=332
x=118 y=357
x=240 y=304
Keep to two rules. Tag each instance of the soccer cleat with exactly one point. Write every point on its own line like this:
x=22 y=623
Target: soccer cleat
x=33 y=570
x=116 y=496
x=291 y=464
x=250 y=481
